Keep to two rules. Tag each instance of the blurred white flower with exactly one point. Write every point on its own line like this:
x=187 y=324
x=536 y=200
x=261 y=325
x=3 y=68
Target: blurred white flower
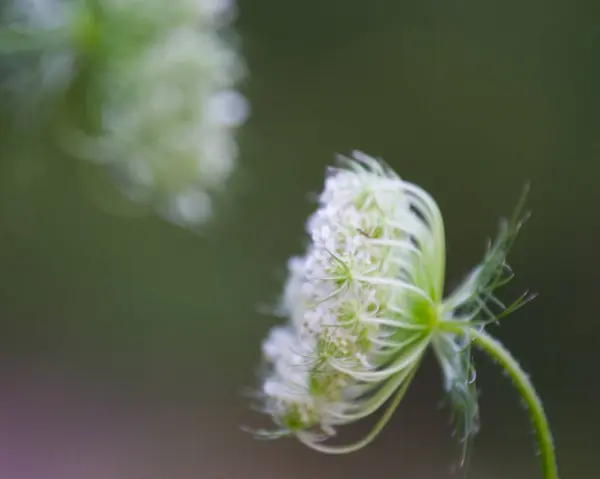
x=159 y=88
x=364 y=304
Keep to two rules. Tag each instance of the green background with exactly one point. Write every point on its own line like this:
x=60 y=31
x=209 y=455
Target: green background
x=128 y=344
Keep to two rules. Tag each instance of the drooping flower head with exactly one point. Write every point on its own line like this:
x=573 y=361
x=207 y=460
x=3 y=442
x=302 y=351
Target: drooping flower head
x=364 y=304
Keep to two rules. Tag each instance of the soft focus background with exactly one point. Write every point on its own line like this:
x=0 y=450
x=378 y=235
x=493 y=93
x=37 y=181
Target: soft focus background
x=128 y=344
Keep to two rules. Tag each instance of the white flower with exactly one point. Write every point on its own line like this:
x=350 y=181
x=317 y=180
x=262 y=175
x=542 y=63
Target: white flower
x=158 y=80
x=364 y=304
x=170 y=108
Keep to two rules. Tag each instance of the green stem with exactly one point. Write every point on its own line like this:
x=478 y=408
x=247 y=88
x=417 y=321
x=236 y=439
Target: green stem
x=521 y=381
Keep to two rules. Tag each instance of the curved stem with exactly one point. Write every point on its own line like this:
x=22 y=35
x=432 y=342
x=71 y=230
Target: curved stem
x=521 y=381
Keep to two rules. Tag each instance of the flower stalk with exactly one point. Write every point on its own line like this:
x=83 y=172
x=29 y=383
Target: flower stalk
x=523 y=384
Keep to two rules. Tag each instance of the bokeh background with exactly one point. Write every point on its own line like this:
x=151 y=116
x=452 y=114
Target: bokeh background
x=127 y=343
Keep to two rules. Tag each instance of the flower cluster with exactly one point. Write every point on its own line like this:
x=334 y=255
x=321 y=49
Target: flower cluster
x=158 y=83
x=170 y=107
x=364 y=303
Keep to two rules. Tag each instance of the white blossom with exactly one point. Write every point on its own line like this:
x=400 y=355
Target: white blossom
x=159 y=85
x=364 y=303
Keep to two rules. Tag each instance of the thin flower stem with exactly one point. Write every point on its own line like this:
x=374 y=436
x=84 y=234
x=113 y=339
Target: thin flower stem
x=521 y=381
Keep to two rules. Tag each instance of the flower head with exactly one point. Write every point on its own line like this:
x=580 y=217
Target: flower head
x=365 y=302
x=170 y=107
x=157 y=81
